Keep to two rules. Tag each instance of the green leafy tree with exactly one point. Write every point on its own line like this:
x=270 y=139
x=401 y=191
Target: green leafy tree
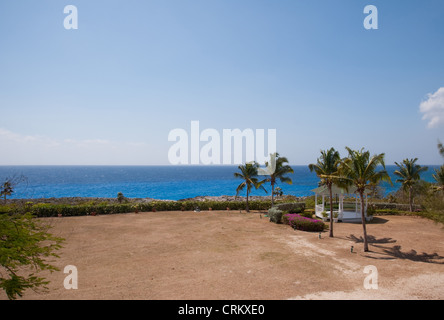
x=9 y=184
x=277 y=169
x=360 y=170
x=6 y=189
x=326 y=169
x=409 y=174
x=439 y=179
x=249 y=173
x=25 y=243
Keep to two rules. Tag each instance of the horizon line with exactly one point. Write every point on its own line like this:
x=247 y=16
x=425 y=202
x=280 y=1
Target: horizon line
x=126 y=165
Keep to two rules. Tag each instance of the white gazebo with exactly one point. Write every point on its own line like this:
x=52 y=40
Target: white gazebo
x=351 y=213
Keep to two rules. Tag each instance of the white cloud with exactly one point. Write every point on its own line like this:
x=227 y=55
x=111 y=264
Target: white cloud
x=20 y=149
x=433 y=108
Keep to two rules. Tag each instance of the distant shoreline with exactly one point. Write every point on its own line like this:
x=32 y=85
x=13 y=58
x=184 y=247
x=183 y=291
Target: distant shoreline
x=80 y=200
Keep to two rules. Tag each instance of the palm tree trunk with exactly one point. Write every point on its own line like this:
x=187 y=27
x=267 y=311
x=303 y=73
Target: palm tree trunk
x=272 y=193
x=247 y=209
x=411 y=199
x=363 y=221
x=331 y=211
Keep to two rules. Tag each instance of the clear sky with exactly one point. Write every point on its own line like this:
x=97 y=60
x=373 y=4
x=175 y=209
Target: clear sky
x=110 y=91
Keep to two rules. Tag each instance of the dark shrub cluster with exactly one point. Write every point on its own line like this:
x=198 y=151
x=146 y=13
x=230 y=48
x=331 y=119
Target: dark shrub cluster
x=292 y=207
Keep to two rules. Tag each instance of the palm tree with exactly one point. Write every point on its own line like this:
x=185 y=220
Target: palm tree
x=439 y=178
x=360 y=171
x=326 y=169
x=249 y=175
x=409 y=174
x=277 y=169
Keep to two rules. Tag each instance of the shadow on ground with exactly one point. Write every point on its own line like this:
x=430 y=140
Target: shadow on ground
x=395 y=252
x=370 y=239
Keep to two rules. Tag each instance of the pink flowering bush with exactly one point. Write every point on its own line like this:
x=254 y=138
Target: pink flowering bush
x=299 y=222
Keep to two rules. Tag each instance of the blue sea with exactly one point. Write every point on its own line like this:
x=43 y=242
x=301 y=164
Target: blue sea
x=159 y=182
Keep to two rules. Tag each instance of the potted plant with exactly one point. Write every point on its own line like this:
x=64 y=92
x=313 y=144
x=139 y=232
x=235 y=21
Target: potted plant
x=324 y=216
x=335 y=216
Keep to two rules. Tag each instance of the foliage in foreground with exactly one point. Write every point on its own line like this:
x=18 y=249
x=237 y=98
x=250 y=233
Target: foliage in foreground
x=24 y=246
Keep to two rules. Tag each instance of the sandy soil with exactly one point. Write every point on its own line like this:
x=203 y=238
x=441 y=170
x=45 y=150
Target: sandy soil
x=232 y=255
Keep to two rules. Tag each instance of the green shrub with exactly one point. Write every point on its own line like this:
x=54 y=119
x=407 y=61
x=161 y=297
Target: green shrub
x=395 y=206
x=5 y=209
x=275 y=215
x=292 y=207
x=306 y=214
x=371 y=209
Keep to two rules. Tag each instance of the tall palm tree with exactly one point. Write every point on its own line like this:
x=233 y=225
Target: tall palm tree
x=249 y=175
x=277 y=169
x=439 y=178
x=326 y=169
x=361 y=171
x=409 y=174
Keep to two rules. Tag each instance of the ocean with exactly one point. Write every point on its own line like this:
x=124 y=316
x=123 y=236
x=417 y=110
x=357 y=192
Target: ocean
x=159 y=182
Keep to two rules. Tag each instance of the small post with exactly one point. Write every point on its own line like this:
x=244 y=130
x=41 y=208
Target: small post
x=351 y=249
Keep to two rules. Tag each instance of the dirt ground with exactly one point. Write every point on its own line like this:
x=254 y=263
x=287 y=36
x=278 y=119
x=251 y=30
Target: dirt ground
x=230 y=255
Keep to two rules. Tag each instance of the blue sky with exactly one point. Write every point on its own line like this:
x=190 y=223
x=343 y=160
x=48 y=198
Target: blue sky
x=111 y=91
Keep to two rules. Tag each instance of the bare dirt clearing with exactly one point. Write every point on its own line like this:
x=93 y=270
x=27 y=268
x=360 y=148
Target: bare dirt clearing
x=232 y=255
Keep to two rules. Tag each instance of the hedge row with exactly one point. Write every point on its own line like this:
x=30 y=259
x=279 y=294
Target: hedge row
x=53 y=210
x=395 y=206
x=291 y=207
